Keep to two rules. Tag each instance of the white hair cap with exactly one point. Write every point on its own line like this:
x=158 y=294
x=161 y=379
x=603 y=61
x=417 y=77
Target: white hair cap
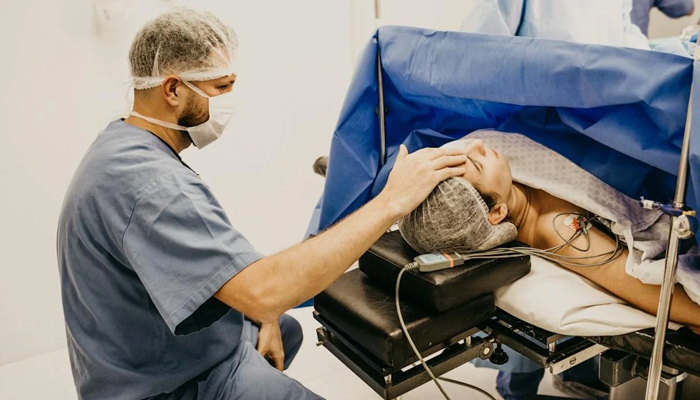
x=454 y=217
x=191 y=43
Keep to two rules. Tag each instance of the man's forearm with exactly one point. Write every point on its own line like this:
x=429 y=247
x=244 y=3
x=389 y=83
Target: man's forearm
x=270 y=286
x=292 y=276
x=316 y=263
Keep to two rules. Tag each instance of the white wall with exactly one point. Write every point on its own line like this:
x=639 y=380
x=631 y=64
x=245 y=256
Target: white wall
x=63 y=82
x=434 y=14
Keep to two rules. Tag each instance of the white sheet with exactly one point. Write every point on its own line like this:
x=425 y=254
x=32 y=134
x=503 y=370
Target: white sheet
x=560 y=301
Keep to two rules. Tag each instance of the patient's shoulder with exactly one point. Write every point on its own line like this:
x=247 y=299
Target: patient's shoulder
x=546 y=212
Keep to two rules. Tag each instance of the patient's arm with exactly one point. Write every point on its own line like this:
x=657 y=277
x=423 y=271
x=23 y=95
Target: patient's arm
x=612 y=276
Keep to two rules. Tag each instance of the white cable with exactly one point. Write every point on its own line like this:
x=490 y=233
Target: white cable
x=408 y=337
x=551 y=253
x=478 y=389
x=415 y=350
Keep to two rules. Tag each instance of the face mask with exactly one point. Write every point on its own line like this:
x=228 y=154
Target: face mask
x=221 y=110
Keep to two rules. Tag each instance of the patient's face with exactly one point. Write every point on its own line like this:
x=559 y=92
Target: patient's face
x=488 y=170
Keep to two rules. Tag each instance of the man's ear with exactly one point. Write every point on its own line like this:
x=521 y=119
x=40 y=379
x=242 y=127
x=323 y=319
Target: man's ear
x=171 y=90
x=498 y=213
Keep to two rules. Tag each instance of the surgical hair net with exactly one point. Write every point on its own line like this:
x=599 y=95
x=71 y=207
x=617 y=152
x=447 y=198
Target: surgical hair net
x=191 y=43
x=454 y=218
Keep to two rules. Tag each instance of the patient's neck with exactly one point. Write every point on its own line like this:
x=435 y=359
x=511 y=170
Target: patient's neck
x=518 y=204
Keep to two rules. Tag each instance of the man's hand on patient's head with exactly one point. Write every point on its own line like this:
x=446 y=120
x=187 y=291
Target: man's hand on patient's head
x=415 y=175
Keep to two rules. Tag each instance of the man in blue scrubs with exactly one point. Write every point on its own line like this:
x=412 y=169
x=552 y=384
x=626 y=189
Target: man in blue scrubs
x=163 y=297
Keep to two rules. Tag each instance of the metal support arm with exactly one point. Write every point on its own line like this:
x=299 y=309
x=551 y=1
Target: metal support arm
x=662 y=314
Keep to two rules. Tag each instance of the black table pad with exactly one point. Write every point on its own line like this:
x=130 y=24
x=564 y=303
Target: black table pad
x=682 y=349
x=442 y=290
x=366 y=313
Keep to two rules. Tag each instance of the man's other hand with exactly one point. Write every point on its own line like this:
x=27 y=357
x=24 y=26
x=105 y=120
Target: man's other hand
x=270 y=344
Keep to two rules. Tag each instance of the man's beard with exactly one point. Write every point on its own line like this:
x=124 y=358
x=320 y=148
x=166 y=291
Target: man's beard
x=193 y=115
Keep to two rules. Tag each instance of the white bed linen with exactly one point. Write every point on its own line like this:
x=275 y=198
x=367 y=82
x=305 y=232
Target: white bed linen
x=560 y=301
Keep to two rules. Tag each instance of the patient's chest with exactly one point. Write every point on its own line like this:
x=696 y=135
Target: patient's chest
x=547 y=226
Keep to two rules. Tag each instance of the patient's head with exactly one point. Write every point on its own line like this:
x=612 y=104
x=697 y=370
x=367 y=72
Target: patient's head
x=488 y=170
x=455 y=217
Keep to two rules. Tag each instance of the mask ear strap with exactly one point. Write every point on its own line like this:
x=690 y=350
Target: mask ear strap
x=196 y=89
x=159 y=122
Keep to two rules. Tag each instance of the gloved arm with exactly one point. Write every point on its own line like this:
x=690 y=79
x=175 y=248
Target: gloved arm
x=675 y=8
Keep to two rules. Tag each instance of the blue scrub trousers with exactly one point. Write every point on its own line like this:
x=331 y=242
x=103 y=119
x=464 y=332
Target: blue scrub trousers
x=248 y=375
x=252 y=377
x=523 y=385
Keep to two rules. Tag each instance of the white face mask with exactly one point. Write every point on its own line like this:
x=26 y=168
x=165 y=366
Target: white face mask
x=221 y=110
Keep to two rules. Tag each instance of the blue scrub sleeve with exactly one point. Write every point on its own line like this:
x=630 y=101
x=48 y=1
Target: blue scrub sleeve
x=182 y=246
x=675 y=8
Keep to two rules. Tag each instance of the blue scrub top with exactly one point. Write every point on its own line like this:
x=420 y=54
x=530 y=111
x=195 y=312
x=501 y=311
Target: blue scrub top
x=142 y=246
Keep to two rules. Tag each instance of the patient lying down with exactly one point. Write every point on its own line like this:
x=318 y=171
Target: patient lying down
x=486 y=209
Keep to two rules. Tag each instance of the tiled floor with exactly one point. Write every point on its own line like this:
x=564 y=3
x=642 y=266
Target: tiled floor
x=48 y=376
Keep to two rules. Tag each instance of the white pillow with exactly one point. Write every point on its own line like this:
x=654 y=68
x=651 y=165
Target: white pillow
x=561 y=301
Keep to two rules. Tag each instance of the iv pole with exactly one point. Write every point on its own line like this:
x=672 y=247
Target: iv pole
x=380 y=88
x=679 y=230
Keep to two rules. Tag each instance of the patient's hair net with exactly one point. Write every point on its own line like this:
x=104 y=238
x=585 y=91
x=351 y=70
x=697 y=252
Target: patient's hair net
x=454 y=218
x=191 y=43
